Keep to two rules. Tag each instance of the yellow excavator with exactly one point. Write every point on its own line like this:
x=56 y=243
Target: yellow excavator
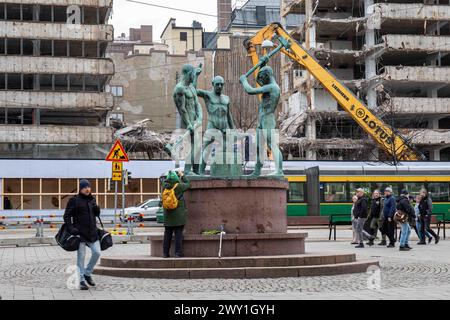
x=386 y=138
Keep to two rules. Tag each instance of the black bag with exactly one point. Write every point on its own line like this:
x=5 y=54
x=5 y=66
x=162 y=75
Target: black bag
x=66 y=240
x=104 y=236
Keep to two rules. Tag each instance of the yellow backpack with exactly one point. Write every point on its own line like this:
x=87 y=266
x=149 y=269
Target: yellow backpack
x=169 y=199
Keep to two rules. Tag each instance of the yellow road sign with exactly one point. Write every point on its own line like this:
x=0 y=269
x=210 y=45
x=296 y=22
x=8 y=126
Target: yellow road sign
x=117 y=153
x=117 y=166
x=117 y=176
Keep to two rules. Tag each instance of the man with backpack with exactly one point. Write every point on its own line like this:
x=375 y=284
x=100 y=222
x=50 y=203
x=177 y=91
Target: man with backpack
x=80 y=215
x=405 y=210
x=174 y=186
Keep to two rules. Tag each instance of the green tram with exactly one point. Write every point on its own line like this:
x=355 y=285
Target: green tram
x=326 y=188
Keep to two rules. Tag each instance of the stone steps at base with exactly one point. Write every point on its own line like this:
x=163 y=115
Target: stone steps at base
x=239 y=273
x=148 y=262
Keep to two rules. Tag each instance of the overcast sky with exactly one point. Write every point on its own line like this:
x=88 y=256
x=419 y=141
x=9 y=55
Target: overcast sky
x=131 y=15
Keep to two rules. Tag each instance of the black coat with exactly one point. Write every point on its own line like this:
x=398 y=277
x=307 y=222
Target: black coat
x=426 y=207
x=375 y=208
x=360 y=209
x=80 y=216
x=404 y=205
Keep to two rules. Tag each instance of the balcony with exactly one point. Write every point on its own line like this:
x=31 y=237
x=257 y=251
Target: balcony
x=55 y=134
x=61 y=31
x=55 y=65
x=56 y=100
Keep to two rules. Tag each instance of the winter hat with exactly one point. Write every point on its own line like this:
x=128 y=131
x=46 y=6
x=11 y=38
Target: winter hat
x=388 y=189
x=84 y=184
x=172 y=177
x=404 y=192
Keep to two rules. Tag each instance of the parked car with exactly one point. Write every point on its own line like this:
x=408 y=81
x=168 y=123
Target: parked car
x=160 y=215
x=145 y=211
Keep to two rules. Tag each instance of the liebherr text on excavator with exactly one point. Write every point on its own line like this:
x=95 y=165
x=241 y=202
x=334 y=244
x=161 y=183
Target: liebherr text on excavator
x=391 y=142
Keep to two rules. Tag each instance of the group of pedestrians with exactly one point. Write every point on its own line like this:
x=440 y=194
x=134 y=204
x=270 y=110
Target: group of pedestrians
x=382 y=214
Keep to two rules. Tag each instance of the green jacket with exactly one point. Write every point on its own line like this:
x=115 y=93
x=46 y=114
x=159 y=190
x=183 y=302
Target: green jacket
x=176 y=217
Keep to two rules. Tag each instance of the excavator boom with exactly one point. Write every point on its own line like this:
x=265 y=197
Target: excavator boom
x=385 y=137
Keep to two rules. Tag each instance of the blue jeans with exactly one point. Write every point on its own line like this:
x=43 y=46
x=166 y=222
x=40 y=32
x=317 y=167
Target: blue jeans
x=81 y=254
x=419 y=231
x=406 y=231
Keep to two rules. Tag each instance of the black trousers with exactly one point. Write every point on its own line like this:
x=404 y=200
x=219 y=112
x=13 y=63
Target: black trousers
x=388 y=228
x=425 y=222
x=168 y=232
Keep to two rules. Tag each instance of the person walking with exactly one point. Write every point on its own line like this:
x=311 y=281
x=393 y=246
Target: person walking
x=404 y=207
x=175 y=216
x=79 y=216
x=360 y=213
x=418 y=226
x=389 y=208
x=425 y=213
x=375 y=215
x=354 y=220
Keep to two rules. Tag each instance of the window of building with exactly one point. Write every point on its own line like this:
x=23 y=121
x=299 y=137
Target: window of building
x=90 y=49
x=59 y=14
x=90 y=15
x=116 y=116
x=27 y=12
x=2 y=81
x=2 y=11
x=13 y=11
x=46 y=48
x=117 y=91
x=61 y=82
x=28 y=81
x=92 y=83
x=183 y=36
x=76 y=82
x=60 y=48
x=296 y=192
x=14 y=81
x=13 y=46
x=76 y=49
x=2 y=45
x=46 y=82
x=27 y=47
x=45 y=13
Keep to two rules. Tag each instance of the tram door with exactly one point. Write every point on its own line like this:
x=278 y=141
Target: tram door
x=313 y=191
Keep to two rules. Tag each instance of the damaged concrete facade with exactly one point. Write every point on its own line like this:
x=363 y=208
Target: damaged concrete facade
x=394 y=55
x=53 y=74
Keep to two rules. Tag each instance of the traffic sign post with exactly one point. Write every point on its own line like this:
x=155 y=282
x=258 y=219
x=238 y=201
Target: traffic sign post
x=118 y=156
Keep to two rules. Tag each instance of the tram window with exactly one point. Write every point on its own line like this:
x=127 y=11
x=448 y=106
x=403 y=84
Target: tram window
x=335 y=192
x=296 y=192
x=440 y=192
x=383 y=185
x=414 y=187
x=356 y=185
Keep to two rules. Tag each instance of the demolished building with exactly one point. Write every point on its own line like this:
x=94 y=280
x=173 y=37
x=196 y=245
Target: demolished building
x=391 y=54
x=53 y=74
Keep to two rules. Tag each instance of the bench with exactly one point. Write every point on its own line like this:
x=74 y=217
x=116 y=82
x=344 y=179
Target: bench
x=441 y=219
x=338 y=220
x=312 y=221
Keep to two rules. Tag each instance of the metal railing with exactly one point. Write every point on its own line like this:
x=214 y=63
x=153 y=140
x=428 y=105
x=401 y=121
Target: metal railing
x=52 y=220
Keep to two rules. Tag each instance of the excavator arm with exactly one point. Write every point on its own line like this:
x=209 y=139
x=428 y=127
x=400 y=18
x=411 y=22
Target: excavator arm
x=386 y=138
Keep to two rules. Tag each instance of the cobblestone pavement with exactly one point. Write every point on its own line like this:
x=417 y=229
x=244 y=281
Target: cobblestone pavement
x=39 y=273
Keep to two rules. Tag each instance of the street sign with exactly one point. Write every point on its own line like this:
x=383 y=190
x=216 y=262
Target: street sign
x=117 y=166
x=117 y=176
x=117 y=153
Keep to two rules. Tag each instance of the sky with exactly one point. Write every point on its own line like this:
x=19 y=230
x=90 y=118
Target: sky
x=132 y=15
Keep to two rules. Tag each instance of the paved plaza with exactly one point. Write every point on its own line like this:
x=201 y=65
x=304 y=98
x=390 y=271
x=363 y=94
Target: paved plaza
x=42 y=272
